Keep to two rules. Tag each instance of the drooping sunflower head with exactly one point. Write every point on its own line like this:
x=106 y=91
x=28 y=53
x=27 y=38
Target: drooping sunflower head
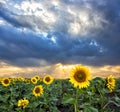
x=110 y=83
x=34 y=80
x=23 y=103
x=38 y=90
x=5 y=82
x=80 y=76
x=48 y=79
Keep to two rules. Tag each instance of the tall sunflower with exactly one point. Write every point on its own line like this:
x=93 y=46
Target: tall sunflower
x=48 y=79
x=23 y=103
x=110 y=83
x=38 y=90
x=80 y=76
x=5 y=82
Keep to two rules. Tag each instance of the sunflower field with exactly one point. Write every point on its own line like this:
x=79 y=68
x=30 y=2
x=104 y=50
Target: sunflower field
x=78 y=93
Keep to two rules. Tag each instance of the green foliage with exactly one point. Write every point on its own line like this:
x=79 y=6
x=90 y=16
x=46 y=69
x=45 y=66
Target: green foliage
x=60 y=96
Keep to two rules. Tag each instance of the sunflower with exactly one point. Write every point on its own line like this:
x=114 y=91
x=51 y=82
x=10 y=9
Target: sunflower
x=13 y=80
x=21 y=79
x=110 y=83
x=23 y=103
x=5 y=82
x=1 y=78
x=38 y=90
x=80 y=76
x=37 y=77
x=34 y=80
x=27 y=81
x=48 y=79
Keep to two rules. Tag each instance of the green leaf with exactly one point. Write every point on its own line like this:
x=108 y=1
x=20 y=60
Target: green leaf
x=90 y=109
x=67 y=99
x=118 y=105
x=4 y=98
x=117 y=98
x=34 y=104
x=53 y=109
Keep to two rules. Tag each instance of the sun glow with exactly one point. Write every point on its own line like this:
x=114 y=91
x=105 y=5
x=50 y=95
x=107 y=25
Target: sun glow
x=59 y=70
x=61 y=66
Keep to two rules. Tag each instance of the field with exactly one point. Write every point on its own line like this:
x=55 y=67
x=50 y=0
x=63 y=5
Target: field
x=57 y=96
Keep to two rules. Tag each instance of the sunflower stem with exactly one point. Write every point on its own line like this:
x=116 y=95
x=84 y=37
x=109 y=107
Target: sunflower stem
x=102 y=102
x=76 y=100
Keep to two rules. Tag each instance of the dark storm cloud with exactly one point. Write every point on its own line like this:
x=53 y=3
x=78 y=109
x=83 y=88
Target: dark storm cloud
x=16 y=45
x=28 y=48
x=24 y=49
x=109 y=36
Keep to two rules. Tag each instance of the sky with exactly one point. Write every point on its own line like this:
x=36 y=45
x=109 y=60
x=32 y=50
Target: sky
x=51 y=36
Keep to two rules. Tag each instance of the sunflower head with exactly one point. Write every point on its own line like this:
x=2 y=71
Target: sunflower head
x=38 y=90
x=80 y=76
x=14 y=79
x=34 y=80
x=5 y=82
x=110 y=83
x=27 y=81
x=37 y=77
x=48 y=79
x=1 y=79
x=21 y=79
x=23 y=103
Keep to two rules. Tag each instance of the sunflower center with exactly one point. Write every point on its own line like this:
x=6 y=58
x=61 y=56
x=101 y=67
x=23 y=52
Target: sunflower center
x=37 y=77
x=47 y=79
x=37 y=90
x=110 y=80
x=6 y=81
x=22 y=103
x=34 y=80
x=80 y=77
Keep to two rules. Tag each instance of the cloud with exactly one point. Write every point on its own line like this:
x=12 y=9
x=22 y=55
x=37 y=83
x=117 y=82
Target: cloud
x=16 y=45
x=56 y=70
x=60 y=31
x=39 y=16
